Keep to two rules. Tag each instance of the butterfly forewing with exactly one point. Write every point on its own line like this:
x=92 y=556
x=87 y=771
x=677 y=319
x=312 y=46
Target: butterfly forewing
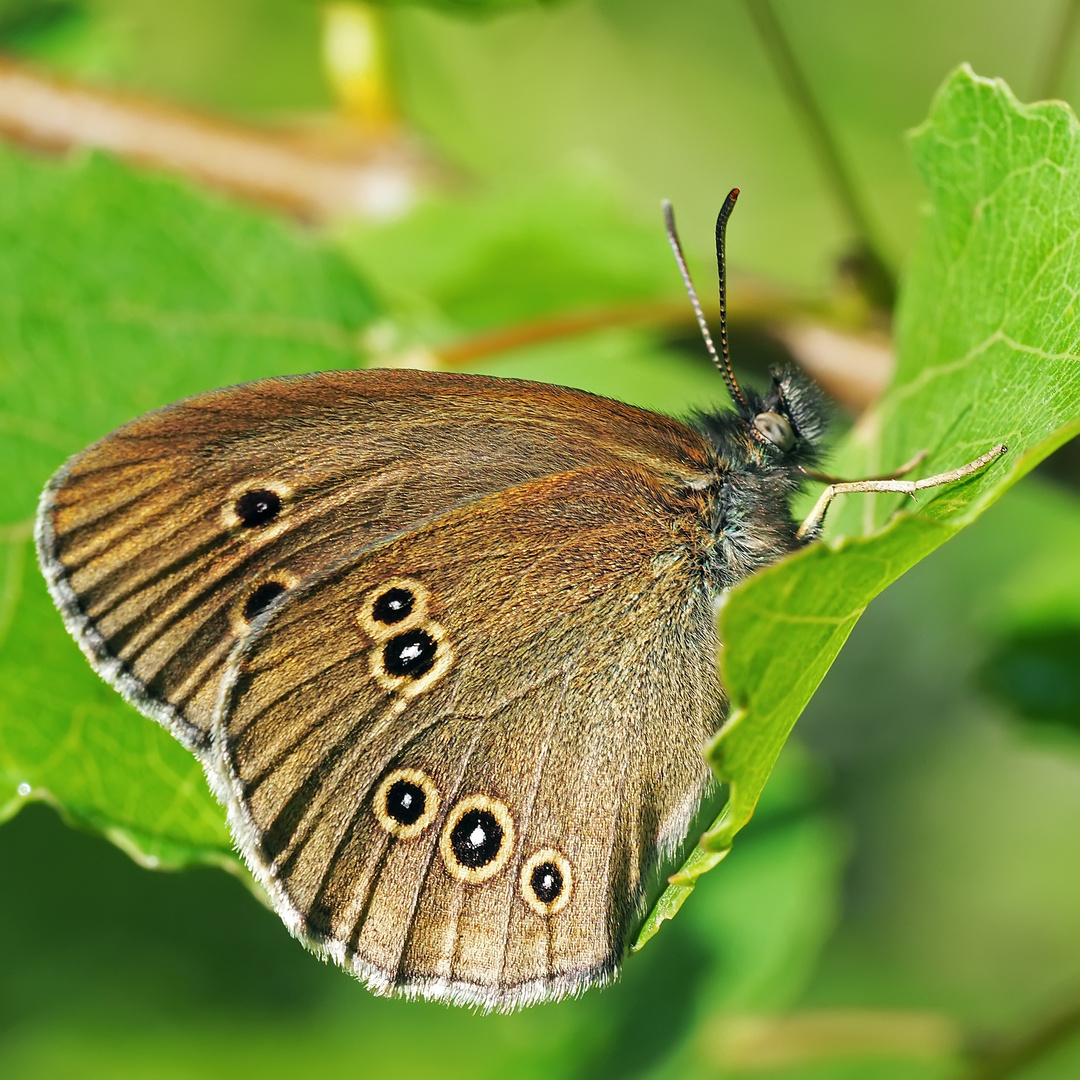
x=162 y=542
x=457 y=759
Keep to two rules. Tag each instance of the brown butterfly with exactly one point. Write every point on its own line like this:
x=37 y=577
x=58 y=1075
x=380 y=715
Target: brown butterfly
x=445 y=644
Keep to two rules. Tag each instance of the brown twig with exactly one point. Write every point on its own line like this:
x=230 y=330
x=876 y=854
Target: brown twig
x=827 y=1035
x=853 y=367
x=552 y=328
x=1013 y=1057
x=379 y=180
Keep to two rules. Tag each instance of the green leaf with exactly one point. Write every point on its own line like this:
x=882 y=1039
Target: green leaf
x=515 y=254
x=120 y=293
x=766 y=918
x=987 y=339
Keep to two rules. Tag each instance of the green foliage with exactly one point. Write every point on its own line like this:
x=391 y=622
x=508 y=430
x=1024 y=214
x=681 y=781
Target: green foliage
x=145 y=960
x=16 y=15
x=244 y=56
x=988 y=331
x=1031 y=670
x=517 y=253
x=120 y=293
x=1035 y=673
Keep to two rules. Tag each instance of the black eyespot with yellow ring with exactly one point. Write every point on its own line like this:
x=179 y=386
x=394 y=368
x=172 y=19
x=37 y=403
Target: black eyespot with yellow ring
x=412 y=661
x=393 y=605
x=411 y=653
x=477 y=839
x=261 y=597
x=257 y=508
x=257 y=596
x=546 y=881
x=406 y=803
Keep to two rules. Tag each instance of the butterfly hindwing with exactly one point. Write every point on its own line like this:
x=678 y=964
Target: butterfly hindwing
x=458 y=759
x=163 y=541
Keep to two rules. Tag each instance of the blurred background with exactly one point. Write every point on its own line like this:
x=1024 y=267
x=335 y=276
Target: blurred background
x=488 y=174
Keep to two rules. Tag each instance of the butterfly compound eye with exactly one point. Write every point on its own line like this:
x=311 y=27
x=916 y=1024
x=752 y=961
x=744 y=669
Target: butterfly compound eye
x=545 y=881
x=257 y=508
x=776 y=429
x=477 y=839
x=406 y=803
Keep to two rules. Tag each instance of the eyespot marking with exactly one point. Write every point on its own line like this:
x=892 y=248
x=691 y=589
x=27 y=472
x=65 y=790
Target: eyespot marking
x=477 y=839
x=256 y=597
x=413 y=660
x=410 y=654
x=546 y=881
x=259 y=507
x=393 y=606
x=261 y=597
x=256 y=507
x=406 y=803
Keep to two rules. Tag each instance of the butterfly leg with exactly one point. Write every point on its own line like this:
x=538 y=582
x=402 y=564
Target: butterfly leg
x=810 y=527
x=896 y=474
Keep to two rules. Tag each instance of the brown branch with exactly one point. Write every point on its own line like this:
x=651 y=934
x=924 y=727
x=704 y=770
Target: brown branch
x=379 y=179
x=1013 y=1057
x=854 y=368
x=827 y=1035
x=537 y=331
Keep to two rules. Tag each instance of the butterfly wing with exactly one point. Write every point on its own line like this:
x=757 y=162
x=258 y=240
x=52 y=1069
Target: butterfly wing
x=457 y=760
x=163 y=541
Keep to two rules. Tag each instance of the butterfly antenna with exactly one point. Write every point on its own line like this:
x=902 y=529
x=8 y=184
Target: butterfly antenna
x=723 y=363
x=721 y=266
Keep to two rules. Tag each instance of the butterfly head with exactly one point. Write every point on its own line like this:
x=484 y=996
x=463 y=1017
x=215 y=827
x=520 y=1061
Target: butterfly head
x=789 y=420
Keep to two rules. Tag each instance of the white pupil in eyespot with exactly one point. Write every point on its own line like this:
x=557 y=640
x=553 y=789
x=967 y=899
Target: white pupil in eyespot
x=477 y=836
